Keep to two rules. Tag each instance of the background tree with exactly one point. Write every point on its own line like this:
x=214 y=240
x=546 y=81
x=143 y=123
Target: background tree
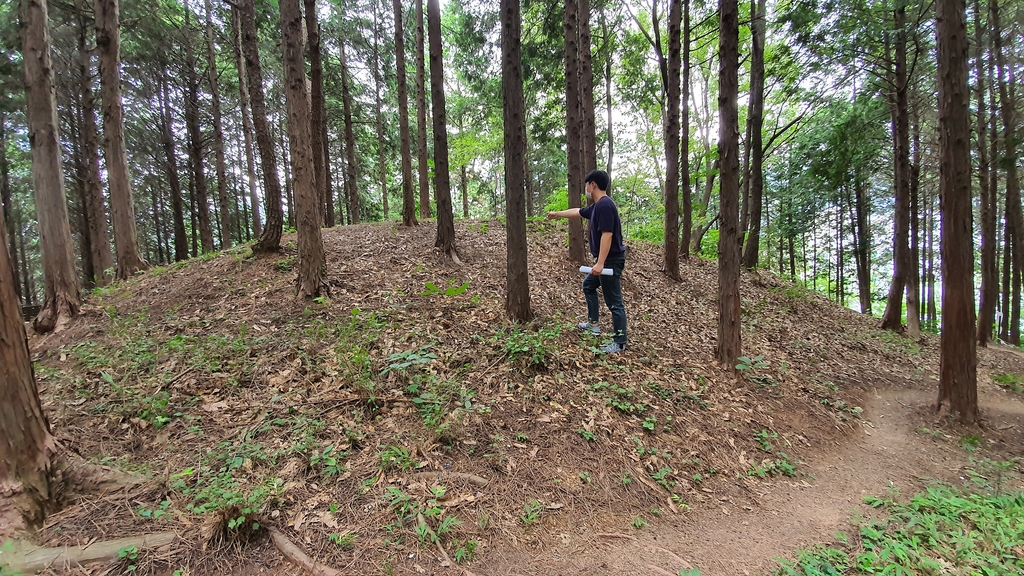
x=573 y=127
x=729 y=346
x=218 y=133
x=517 y=289
x=62 y=300
x=316 y=83
x=755 y=176
x=672 y=142
x=958 y=385
x=108 y=43
x=421 y=114
x=442 y=180
x=408 y=198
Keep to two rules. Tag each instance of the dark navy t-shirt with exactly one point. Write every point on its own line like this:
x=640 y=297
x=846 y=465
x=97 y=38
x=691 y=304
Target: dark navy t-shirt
x=604 y=217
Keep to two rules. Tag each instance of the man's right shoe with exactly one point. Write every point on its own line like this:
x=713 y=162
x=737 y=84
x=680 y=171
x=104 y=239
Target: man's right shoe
x=588 y=327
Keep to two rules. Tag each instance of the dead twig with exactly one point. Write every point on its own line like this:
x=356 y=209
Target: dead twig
x=296 y=556
x=433 y=536
x=471 y=478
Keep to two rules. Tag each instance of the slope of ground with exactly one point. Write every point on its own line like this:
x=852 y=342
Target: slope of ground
x=406 y=401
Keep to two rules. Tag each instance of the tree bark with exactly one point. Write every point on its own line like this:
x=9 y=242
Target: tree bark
x=587 y=90
x=1015 y=218
x=351 y=170
x=6 y=204
x=171 y=165
x=517 y=288
x=270 y=240
x=421 y=115
x=62 y=300
x=729 y=345
x=312 y=263
x=408 y=197
x=671 y=139
x=25 y=442
x=862 y=243
x=684 y=125
x=958 y=386
x=379 y=116
x=989 y=272
x=606 y=32
x=195 y=146
x=243 y=98
x=317 y=116
x=892 y=318
x=914 y=256
x=224 y=203
x=98 y=230
x=442 y=179
x=574 y=127
x=108 y=42
x=756 y=119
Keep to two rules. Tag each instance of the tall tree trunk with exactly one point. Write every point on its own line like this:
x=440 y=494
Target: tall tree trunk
x=587 y=89
x=98 y=230
x=421 y=115
x=606 y=32
x=958 y=385
x=154 y=194
x=442 y=179
x=517 y=288
x=756 y=121
x=271 y=239
x=574 y=127
x=379 y=116
x=464 y=188
x=62 y=300
x=171 y=157
x=1015 y=219
x=6 y=204
x=351 y=172
x=27 y=447
x=312 y=262
x=195 y=145
x=218 y=135
x=989 y=272
x=108 y=42
x=289 y=184
x=684 y=125
x=671 y=139
x=728 y=348
x=408 y=197
x=892 y=318
x=862 y=243
x=317 y=116
x=243 y=97
x=29 y=292
x=914 y=258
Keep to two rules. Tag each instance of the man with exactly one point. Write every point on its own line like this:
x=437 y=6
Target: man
x=607 y=246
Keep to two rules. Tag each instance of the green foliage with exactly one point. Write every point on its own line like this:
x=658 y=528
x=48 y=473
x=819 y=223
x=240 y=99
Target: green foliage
x=661 y=477
x=345 y=541
x=622 y=399
x=396 y=458
x=939 y=531
x=638 y=523
x=454 y=289
x=531 y=513
x=400 y=361
x=1009 y=381
x=747 y=363
x=464 y=551
x=155 y=513
x=586 y=435
x=128 y=556
x=534 y=347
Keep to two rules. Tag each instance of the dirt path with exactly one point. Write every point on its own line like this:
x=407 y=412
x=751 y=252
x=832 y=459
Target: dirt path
x=741 y=529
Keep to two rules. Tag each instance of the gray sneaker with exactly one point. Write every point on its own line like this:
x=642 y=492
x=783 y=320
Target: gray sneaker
x=588 y=327
x=613 y=348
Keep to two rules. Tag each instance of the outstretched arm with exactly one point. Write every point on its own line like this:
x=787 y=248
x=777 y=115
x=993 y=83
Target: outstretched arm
x=570 y=213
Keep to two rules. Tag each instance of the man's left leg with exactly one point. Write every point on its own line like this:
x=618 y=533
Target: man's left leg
x=611 y=288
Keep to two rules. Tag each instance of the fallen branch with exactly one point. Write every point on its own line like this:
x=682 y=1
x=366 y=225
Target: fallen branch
x=471 y=478
x=32 y=560
x=296 y=556
x=423 y=522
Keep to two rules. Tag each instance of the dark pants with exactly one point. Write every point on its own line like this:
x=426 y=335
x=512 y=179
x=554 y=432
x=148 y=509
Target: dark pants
x=611 y=289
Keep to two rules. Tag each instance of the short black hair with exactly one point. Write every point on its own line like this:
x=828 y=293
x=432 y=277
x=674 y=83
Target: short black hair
x=599 y=177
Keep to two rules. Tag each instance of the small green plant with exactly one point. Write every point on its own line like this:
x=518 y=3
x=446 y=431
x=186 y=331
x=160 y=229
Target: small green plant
x=396 y=458
x=284 y=264
x=689 y=572
x=661 y=477
x=327 y=461
x=638 y=523
x=452 y=290
x=534 y=347
x=154 y=513
x=588 y=436
x=970 y=442
x=764 y=438
x=585 y=477
x=745 y=363
x=464 y=551
x=781 y=466
x=532 y=513
x=1010 y=381
x=399 y=361
x=346 y=540
x=128 y=556
x=650 y=423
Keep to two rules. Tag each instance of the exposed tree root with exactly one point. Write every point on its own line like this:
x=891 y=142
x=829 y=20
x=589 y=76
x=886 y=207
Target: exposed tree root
x=423 y=523
x=31 y=559
x=296 y=556
x=471 y=478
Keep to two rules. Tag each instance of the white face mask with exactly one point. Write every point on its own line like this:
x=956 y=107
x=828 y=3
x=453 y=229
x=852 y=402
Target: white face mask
x=588 y=195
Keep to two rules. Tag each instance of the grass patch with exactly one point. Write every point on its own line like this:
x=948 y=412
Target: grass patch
x=1010 y=381
x=942 y=530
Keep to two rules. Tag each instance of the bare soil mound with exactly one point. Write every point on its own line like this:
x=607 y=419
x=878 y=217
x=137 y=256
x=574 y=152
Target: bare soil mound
x=403 y=425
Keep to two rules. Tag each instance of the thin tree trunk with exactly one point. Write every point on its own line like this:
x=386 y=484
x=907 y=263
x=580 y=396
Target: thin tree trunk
x=218 y=135
x=243 y=97
x=608 y=89
x=892 y=318
x=862 y=242
x=108 y=42
x=574 y=127
x=28 y=293
x=154 y=196
x=317 y=111
x=289 y=184
x=517 y=288
x=312 y=263
x=62 y=301
x=684 y=125
x=756 y=123
x=7 y=205
x=989 y=272
x=586 y=70
x=442 y=179
x=729 y=346
x=408 y=197
x=195 y=146
x=464 y=188
x=270 y=240
x=671 y=139
x=351 y=170
x=958 y=385
x=171 y=164
x=379 y=116
x=421 y=115
x=913 y=271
